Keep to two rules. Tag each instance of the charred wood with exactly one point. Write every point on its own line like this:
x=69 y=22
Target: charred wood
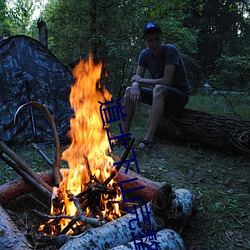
x=15 y=188
x=118 y=167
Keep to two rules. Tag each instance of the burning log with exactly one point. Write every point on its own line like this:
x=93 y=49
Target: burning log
x=10 y=237
x=166 y=208
x=167 y=239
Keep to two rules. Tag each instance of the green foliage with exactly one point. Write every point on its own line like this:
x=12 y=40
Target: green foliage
x=4 y=19
x=111 y=31
x=212 y=36
x=20 y=16
x=233 y=72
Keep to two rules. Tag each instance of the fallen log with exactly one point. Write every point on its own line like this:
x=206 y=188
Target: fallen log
x=212 y=131
x=10 y=237
x=124 y=229
x=167 y=239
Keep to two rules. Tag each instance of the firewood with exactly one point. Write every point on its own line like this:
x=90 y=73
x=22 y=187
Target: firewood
x=150 y=186
x=18 y=187
x=10 y=237
x=26 y=176
x=164 y=205
x=167 y=239
x=118 y=167
x=13 y=156
x=15 y=188
x=174 y=206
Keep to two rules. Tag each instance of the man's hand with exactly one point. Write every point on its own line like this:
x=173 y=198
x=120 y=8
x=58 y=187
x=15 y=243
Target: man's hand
x=135 y=93
x=136 y=78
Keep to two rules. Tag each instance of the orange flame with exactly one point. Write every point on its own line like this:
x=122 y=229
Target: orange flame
x=89 y=138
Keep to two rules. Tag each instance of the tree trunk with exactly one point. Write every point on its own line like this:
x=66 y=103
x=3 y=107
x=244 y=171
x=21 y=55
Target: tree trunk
x=10 y=237
x=43 y=32
x=212 y=131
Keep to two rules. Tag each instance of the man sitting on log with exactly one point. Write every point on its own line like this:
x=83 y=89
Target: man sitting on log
x=168 y=89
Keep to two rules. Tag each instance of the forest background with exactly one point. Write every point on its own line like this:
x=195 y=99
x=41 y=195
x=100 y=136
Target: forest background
x=212 y=36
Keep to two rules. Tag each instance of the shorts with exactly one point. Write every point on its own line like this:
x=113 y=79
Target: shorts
x=174 y=100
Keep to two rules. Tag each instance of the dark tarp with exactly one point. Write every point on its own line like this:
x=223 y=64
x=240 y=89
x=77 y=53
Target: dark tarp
x=29 y=71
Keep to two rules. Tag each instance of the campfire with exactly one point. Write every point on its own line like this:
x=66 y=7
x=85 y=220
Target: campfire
x=84 y=189
x=87 y=198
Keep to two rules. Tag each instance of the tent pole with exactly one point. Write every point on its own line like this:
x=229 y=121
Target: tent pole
x=33 y=125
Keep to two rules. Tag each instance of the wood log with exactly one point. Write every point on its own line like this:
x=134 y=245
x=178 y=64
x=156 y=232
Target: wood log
x=10 y=237
x=167 y=239
x=18 y=187
x=120 y=230
x=26 y=176
x=15 y=188
x=22 y=164
x=150 y=187
x=211 y=131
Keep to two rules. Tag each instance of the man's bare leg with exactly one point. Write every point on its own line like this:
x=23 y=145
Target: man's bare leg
x=129 y=110
x=156 y=112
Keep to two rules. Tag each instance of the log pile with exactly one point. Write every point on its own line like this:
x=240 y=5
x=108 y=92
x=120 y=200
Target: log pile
x=211 y=131
x=168 y=209
x=161 y=208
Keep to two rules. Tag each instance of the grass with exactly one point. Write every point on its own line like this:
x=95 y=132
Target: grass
x=219 y=180
x=233 y=106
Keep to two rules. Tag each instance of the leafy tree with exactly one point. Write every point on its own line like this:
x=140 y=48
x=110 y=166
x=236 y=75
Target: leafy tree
x=4 y=20
x=20 y=15
x=223 y=32
x=111 y=30
x=96 y=27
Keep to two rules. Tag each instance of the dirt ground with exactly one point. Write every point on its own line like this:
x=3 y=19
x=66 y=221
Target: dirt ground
x=220 y=182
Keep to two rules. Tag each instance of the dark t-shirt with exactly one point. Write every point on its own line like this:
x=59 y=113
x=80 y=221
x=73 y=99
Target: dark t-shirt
x=171 y=56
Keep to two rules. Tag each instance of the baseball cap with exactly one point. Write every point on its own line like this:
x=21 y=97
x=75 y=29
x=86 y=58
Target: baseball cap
x=150 y=26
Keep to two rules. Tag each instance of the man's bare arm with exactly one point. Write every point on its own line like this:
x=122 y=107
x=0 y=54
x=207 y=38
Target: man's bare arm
x=166 y=80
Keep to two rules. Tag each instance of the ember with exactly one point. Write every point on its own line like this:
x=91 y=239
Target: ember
x=84 y=191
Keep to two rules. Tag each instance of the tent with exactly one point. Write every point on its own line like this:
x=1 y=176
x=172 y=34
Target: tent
x=30 y=72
